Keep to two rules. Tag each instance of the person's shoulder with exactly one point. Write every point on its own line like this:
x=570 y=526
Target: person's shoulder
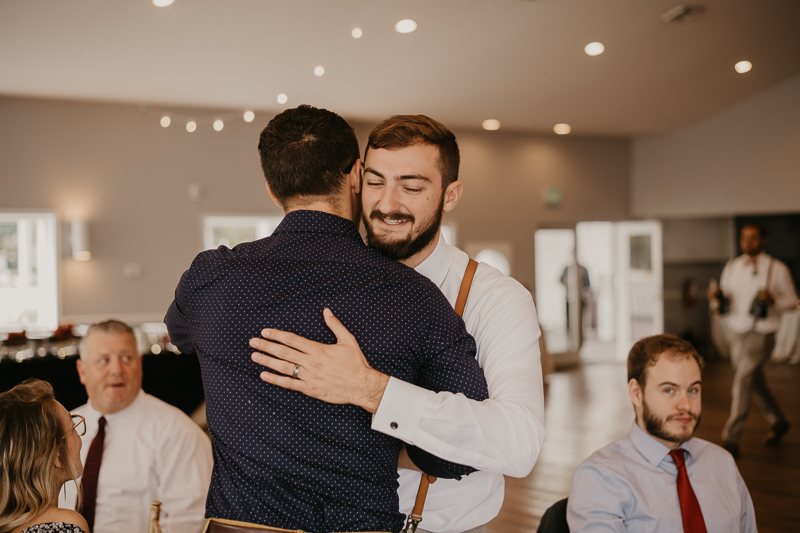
x=394 y=272
x=162 y=408
x=171 y=419
x=705 y=451
x=67 y=517
x=608 y=458
x=489 y=276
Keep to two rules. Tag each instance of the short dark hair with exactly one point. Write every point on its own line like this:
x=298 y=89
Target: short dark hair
x=401 y=131
x=758 y=225
x=646 y=352
x=306 y=152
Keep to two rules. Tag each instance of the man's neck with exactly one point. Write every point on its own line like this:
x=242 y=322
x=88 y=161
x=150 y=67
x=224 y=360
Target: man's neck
x=324 y=207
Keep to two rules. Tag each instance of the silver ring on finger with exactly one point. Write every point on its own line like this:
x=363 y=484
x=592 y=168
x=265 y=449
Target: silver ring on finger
x=296 y=371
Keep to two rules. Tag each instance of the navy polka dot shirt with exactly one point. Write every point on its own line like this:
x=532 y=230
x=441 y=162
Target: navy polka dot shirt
x=281 y=458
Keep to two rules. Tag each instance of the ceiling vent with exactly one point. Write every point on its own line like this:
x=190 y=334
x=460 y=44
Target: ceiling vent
x=682 y=12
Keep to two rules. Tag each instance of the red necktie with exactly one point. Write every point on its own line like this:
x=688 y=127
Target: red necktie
x=91 y=471
x=690 y=508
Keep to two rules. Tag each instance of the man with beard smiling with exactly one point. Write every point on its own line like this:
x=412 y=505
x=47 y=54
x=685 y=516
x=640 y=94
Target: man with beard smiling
x=410 y=181
x=659 y=477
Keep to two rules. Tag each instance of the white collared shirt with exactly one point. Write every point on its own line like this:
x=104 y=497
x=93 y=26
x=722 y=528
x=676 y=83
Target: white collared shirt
x=741 y=281
x=502 y=435
x=152 y=451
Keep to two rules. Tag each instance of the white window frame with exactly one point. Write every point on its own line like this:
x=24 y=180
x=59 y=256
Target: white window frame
x=264 y=225
x=43 y=298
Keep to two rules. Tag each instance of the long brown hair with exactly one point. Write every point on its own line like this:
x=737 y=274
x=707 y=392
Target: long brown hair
x=31 y=439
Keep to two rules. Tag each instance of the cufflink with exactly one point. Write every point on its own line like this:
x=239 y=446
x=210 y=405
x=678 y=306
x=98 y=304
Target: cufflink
x=393 y=425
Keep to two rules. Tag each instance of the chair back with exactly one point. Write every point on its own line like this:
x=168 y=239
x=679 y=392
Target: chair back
x=554 y=519
x=222 y=525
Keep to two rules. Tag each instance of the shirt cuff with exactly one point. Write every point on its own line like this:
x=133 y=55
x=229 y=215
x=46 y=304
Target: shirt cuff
x=401 y=409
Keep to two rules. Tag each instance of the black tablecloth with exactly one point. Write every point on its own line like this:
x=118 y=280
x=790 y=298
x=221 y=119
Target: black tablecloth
x=174 y=378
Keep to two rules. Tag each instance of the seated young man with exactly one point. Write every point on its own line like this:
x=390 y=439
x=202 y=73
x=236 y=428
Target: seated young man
x=659 y=477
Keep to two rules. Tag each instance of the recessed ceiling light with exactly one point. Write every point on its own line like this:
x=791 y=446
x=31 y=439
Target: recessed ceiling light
x=165 y=120
x=405 y=26
x=282 y=98
x=191 y=126
x=356 y=33
x=743 y=66
x=162 y=3
x=249 y=116
x=491 y=124
x=594 y=49
x=319 y=71
x=562 y=129
x=218 y=125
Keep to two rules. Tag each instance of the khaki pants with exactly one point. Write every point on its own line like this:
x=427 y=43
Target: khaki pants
x=749 y=353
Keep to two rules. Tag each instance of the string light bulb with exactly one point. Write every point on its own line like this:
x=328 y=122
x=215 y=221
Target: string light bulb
x=249 y=116
x=165 y=121
x=218 y=125
x=405 y=26
x=319 y=71
x=191 y=126
x=356 y=33
x=562 y=129
x=282 y=98
x=743 y=66
x=491 y=124
x=594 y=49
x=162 y=3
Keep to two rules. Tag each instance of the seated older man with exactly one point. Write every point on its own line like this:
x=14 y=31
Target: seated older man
x=136 y=448
x=659 y=477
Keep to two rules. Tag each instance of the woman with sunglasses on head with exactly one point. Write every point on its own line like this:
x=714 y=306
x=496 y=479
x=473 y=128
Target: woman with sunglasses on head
x=40 y=448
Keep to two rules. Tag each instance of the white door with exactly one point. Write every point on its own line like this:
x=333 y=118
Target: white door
x=638 y=282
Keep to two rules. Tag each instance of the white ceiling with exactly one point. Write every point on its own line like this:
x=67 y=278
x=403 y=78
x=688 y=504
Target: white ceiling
x=518 y=61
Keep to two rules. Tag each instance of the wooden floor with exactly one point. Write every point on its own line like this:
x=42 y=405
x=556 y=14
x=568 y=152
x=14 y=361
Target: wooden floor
x=589 y=407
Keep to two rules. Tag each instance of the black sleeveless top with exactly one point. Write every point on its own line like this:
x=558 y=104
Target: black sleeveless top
x=53 y=527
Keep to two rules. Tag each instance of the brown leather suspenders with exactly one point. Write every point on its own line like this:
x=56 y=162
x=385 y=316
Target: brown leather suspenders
x=416 y=514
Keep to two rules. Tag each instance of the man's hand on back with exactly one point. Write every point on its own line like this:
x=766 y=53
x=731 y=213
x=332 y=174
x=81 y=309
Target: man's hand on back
x=334 y=373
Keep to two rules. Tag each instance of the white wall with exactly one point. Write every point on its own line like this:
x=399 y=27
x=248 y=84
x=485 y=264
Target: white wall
x=743 y=160
x=117 y=168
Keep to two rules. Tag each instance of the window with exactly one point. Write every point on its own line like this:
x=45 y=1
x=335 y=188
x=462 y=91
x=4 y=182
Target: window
x=223 y=230
x=28 y=271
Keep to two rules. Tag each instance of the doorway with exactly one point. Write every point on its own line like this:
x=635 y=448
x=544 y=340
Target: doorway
x=599 y=288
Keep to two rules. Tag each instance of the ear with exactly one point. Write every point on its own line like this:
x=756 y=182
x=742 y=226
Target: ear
x=452 y=194
x=81 y=371
x=274 y=198
x=355 y=177
x=635 y=392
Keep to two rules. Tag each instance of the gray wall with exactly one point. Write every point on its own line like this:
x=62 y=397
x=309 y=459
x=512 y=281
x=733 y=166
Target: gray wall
x=743 y=160
x=114 y=166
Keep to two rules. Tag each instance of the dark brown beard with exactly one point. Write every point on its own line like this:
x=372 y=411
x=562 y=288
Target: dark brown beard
x=655 y=426
x=399 y=250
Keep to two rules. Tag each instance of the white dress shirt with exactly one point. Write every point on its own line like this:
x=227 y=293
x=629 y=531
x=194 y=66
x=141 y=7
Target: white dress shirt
x=743 y=278
x=502 y=435
x=631 y=486
x=152 y=451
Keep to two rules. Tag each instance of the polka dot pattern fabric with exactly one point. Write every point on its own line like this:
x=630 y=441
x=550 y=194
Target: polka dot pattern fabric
x=281 y=458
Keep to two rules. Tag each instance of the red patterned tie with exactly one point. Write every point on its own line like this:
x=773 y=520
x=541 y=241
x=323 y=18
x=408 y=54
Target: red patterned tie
x=690 y=508
x=91 y=471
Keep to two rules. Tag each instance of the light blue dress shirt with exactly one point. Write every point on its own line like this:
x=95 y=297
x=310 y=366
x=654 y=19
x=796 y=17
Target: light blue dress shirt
x=630 y=485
